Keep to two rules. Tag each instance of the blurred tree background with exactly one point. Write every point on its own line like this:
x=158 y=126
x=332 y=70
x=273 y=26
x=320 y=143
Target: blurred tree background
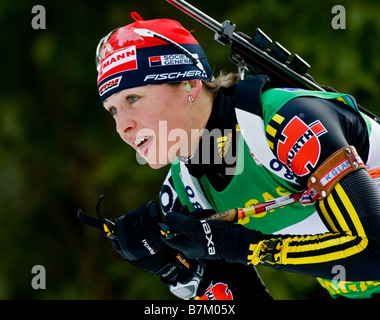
x=59 y=150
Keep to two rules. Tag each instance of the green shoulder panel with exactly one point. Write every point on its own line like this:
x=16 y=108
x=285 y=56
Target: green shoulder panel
x=273 y=99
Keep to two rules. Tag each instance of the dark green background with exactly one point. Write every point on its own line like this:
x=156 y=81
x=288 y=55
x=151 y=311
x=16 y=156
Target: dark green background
x=59 y=150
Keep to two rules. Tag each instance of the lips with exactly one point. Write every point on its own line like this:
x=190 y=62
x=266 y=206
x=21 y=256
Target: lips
x=140 y=141
x=142 y=145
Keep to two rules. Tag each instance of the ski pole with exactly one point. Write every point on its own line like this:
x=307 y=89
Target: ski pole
x=233 y=215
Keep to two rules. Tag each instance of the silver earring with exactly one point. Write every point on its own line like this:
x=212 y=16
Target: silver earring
x=191 y=99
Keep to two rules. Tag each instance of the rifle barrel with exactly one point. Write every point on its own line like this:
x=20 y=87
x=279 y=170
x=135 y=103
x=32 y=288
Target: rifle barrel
x=255 y=56
x=261 y=58
x=197 y=15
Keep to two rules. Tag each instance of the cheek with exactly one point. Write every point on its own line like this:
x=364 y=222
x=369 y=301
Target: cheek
x=172 y=126
x=170 y=142
x=178 y=143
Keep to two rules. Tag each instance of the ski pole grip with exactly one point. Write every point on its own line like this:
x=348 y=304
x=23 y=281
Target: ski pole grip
x=233 y=215
x=229 y=215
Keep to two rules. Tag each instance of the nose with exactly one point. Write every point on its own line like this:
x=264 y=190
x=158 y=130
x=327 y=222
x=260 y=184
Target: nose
x=125 y=127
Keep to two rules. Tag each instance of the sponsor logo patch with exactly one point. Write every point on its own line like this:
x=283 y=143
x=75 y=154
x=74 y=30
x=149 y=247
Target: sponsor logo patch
x=224 y=144
x=210 y=244
x=150 y=249
x=170 y=60
x=109 y=85
x=337 y=171
x=119 y=61
x=299 y=147
x=174 y=75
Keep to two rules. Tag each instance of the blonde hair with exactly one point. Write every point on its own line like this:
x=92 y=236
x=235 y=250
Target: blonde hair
x=223 y=80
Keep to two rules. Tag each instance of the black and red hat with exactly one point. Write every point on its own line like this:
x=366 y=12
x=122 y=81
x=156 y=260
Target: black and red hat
x=148 y=52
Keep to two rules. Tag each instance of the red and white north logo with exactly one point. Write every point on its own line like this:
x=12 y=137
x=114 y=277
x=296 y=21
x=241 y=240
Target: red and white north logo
x=119 y=61
x=300 y=149
x=218 y=291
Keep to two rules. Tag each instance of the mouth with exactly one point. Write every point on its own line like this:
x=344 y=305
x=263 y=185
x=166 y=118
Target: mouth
x=142 y=145
x=140 y=141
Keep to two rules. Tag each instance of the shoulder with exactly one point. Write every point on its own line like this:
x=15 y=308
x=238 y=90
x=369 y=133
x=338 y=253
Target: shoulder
x=304 y=129
x=248 y=93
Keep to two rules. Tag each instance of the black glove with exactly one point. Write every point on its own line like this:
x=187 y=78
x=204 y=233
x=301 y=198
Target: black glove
x=207 y=239
x=136 y=237
x=139 y=241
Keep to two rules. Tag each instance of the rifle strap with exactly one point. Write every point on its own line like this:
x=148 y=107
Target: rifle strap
x=330 y=172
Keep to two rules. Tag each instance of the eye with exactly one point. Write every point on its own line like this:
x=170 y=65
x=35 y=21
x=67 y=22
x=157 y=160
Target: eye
x=132 y=99
x=112 y=110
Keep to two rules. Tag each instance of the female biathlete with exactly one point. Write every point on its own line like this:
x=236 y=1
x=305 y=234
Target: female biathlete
x=233 y=143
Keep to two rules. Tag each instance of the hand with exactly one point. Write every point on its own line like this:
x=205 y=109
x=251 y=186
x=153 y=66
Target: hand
x=198 y=238
x=140 y=243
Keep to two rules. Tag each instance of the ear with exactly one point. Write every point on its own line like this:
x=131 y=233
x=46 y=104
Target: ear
x=196 y=86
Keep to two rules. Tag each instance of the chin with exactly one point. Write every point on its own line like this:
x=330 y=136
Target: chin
x=157 y=165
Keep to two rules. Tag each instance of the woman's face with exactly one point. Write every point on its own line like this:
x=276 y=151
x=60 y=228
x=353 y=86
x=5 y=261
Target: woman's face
x=156 y=121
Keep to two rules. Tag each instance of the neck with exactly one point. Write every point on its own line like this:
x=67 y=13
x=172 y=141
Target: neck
x=212 y=157
x=201 y=109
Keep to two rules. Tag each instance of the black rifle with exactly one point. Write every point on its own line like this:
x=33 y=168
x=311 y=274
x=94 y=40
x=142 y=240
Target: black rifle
x=260 y=55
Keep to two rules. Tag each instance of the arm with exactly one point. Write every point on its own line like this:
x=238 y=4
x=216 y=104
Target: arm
x=351 y=211
x=352 y=216
x=354 y=244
